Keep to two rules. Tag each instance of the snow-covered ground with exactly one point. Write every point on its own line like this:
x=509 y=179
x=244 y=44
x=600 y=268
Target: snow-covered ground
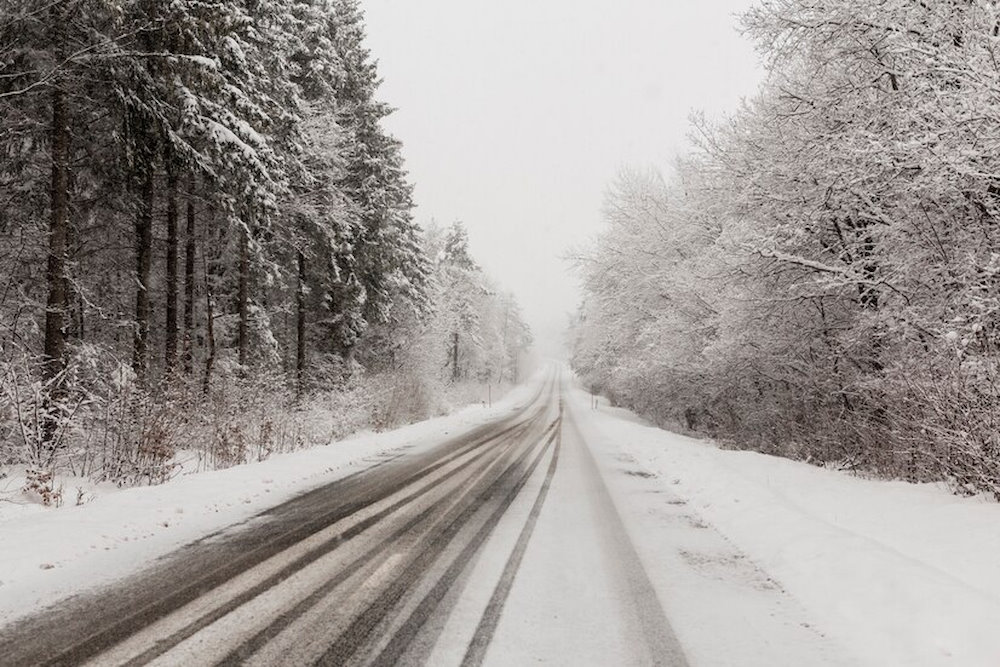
x=49 y=553
x=756 y=560
x=891 y=573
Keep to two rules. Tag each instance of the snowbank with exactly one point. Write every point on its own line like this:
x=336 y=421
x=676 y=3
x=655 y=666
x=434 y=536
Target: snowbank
x=901 y=574
x=49 y=553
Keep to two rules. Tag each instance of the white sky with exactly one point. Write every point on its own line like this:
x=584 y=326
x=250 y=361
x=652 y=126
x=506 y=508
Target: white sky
x=516 y=115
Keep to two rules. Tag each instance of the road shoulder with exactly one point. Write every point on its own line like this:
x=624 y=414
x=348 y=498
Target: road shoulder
x=724 y=608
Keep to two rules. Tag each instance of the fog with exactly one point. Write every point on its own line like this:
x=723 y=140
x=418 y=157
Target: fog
x=516 y=116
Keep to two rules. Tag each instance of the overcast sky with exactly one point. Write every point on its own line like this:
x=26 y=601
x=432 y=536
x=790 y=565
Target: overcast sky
x=516 y=115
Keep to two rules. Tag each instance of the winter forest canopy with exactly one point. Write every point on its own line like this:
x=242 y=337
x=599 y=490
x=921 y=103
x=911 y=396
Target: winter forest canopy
x=820 y=278
x=206 y=236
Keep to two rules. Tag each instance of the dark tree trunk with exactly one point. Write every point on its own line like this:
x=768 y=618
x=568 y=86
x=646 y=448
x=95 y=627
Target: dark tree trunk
x=242 y=296
x=170 y=342
x=300 y=325
x=74 y=302
x=81 y=318
x=454 y=358
x=209 y=333
x=54 y=352
x=209 y=266
x=143 y=264
x=189 y=256
x=55 y=307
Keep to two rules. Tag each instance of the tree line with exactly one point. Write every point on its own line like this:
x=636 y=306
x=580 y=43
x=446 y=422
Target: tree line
x=198 y=201
x=820 y=277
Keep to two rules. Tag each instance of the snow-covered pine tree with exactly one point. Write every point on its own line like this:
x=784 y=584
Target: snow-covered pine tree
x=227 y=156
x=51 y=58
x=386 y=249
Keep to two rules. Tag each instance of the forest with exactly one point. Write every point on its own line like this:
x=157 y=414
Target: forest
x=819 y=278
x=208 y=244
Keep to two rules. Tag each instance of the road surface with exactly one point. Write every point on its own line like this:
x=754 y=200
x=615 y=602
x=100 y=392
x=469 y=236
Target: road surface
x=500 y=546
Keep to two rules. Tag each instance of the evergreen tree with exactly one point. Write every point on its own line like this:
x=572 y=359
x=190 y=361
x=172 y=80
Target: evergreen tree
x=207 y=190
x=386 y=248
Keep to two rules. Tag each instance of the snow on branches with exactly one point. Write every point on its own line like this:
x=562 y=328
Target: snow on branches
x=818 y=278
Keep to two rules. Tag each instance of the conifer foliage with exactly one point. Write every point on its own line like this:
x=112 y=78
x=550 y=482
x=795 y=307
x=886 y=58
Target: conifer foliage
x=199 y=208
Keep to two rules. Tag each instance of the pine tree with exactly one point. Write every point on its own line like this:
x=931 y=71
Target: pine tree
x=208 y=190
x=386 y=247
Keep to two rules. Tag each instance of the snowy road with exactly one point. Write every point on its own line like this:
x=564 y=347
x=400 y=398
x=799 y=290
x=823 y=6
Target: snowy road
x=512 y=535
x=500 y=546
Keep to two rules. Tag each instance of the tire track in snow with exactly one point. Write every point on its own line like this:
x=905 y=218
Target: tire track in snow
x=331 y=544
x=661 y=644
x=80 y=629
x=285 y=620
x=476 y=652
x=512 y=480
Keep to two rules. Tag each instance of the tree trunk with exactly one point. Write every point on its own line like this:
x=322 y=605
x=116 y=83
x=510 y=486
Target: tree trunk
x=73 y=314
x=454 y=357
x=242 y=296
x=189 y=256
x=300 y=325
x=170 y=343
x=209 y=266
x=209 y=333
x=55 y=307
x=143 y=263
x=54 y=352
x=81 y=318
